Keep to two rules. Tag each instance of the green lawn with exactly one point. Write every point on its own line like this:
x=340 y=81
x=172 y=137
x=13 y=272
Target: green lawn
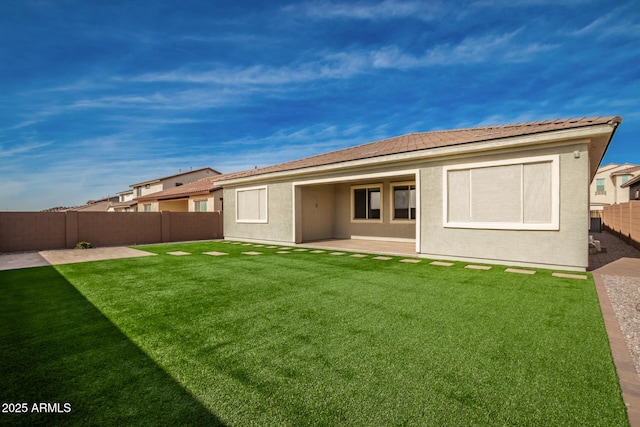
x=302 y=339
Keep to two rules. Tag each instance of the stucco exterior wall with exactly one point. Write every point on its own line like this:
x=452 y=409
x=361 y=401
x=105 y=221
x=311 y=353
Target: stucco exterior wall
x=566 y=246
x=279 y=225
x=185 y=178
x=317 y=212
x=173 y=205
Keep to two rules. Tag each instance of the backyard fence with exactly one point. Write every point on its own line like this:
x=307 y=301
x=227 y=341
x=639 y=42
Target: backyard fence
x=623 y=219
x=36 y=231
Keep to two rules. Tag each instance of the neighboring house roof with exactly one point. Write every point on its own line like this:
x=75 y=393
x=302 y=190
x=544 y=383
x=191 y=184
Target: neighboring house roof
x=174 y=175
x=100 y=205
x=126 y=204
x=60 y=209
x=202 y=186
x=631 y=182
x=629 y=170
x=415 y=142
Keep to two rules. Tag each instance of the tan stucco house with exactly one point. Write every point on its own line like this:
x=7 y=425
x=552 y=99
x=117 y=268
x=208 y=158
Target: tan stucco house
x=607 y=186
x=514 y=194
x=203 y=195
x=143 y=189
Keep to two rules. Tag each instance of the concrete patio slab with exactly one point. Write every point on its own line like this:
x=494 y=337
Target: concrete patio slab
x=71 y=256
x=22 y=260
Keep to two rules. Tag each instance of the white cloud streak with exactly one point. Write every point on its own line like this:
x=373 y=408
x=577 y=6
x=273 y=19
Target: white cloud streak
x=385 y=10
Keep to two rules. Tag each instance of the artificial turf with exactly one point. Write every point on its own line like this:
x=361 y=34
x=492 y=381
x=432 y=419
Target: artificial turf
x=303 y=339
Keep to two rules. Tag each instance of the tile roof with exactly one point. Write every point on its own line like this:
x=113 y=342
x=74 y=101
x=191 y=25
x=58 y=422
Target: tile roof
x=427 y=140
x=626 y=171
x=631 y=182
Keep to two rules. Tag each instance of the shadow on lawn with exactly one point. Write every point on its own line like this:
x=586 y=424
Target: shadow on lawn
x=57 y=348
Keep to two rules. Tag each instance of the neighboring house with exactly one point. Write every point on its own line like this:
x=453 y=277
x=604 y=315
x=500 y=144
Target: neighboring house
x=204 y=195
x=125 y=203
x=606 y=187
x=101 y=205
x=145 y=188
x=633 y=186
x=514 y=194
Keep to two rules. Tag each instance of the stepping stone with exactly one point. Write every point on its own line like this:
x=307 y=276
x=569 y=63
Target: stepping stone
x=236 y=243
x=300 y=250
x=178 y=253
x=441 y=263
x=285 y=248
x=246 y=244
x=336 y=253
x=569 y=276
x=478 y=267
x=283 y=252
x=258 y=246
x=519 y=271
x=271 y=247
x=410 y=260
x=251 y=253
x=317 y=252
x=382 y=258
x=358 y=256
x=214 y=253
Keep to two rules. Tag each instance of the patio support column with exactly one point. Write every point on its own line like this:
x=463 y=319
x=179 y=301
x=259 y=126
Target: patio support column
x=297 y=214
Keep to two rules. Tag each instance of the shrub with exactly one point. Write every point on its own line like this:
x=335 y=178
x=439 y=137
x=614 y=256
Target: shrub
x=83 y=245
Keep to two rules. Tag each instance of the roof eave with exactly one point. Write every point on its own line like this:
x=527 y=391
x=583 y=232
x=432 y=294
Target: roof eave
x=551 y=137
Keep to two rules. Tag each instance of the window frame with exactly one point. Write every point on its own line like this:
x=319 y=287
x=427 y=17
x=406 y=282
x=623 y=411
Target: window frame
x=393 y=186
x=200 y=202
x=353 y=188
x=266 y=206
x=552 y=225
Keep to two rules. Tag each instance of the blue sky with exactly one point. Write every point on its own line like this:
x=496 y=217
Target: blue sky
x=95 y=96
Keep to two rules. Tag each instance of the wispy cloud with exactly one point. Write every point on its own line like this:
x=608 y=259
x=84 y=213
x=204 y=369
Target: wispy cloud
x=22 y=149
x=378 y=11
x=341 y=65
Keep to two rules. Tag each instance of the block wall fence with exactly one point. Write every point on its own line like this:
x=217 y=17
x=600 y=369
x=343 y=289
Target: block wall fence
x=36 y=231
x=623 y=219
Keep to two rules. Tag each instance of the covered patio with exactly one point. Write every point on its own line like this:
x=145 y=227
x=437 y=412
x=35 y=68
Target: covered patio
x=365 y=246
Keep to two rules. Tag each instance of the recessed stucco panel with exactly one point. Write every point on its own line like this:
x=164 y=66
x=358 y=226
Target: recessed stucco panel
x=317 y=212
x=279 y=225
x=566 y=246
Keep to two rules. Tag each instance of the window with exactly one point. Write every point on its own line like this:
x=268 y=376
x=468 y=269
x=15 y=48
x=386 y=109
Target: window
x=517 y=194
x=251 y=205
x=625 y=178
x=147 y=208
x=366 y=202
x=200 y=205
x=600 y=187
x=138 y=191
x=404 y=201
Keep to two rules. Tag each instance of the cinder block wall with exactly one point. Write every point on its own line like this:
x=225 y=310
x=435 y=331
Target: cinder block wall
x=36 y=231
